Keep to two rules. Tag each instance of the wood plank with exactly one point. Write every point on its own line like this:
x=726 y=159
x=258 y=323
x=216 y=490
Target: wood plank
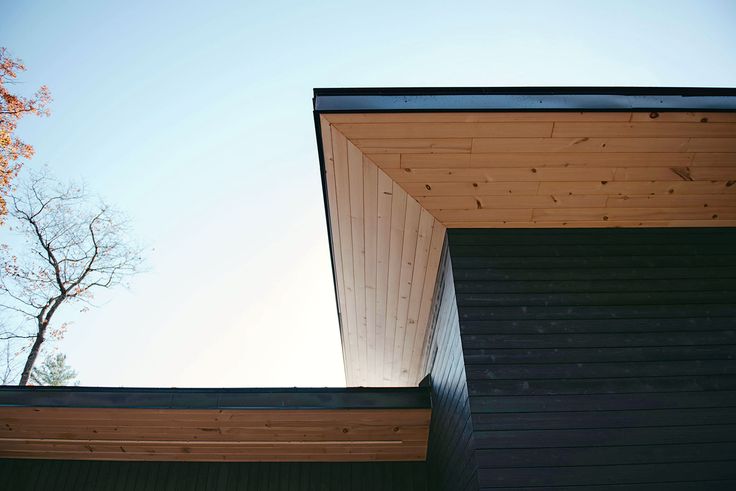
x=491 y=117
x=644 y=129
x=411 y=232
x=219 y=434
x=509 y=215
x=582 y=159
x=511 y=202
x=657 y=214
x=415 y=145
x=503 y=174
x=383 y=240
x=431 y=160
x=684 y=117
x=672 y=201
x=524 y=188
x=637 y=187
x=673 y=173
x=354 y=131
x=370 y=221
x=711 y=145
x=421 y=343
x=398 y=220
x=355 y=171
x=198 y=416
x=183 y=456
x=586 y=144
x=342 y=185
x=714 y=159
x=419 y=265
x=329 y=161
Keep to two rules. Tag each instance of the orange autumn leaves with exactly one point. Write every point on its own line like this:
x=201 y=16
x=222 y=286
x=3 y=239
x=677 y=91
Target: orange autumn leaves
x=12 y=109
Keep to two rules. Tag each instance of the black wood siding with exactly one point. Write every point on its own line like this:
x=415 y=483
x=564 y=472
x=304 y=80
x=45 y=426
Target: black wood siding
x=451 y=459
x=46 y=475
x=600 y=358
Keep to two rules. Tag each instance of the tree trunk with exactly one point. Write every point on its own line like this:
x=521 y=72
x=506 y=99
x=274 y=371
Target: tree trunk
x=35 y=349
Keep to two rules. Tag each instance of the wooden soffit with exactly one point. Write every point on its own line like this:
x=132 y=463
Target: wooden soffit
x=394 y=181
x=396 y=428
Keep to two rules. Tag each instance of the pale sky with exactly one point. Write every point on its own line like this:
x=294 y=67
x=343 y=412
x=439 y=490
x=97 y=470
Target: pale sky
x=195 y=119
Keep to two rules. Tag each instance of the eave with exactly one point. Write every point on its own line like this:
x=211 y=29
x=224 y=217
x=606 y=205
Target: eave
x=233 y=425
x=437 y=158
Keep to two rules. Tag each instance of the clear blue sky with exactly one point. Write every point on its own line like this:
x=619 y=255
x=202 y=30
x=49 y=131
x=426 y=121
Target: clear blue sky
x=195 y=119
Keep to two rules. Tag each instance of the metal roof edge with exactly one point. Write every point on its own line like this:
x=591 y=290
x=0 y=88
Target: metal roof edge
x=466 y=99
x=216 y=398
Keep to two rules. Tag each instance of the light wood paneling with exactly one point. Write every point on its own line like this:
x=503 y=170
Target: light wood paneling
x=214 y=435
x=387 y=243
x=462 y=160
x=499 y=169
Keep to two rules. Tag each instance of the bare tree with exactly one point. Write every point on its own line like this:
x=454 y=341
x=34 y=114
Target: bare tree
x=74 y=245
x=7 y=365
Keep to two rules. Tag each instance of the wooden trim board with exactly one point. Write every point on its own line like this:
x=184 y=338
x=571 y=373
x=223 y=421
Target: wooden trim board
x=281 y=435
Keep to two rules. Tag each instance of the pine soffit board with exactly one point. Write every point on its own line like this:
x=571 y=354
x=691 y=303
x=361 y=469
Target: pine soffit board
x=395 y=181
x=222 y=435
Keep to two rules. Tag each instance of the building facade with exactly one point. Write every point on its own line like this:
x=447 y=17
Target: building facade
x=536 y=289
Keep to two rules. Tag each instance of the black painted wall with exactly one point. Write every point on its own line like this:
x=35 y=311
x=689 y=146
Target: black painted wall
x=43 y=475
x=600 y=358
x=451 y=459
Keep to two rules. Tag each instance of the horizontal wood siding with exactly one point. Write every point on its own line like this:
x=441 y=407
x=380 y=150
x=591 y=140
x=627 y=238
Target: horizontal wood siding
x=600 y=358
x=281 y=435
x=451 y=459
x=63 y=475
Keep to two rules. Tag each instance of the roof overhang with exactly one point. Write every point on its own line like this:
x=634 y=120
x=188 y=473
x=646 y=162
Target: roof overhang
x=399 y=166
x=237 y=425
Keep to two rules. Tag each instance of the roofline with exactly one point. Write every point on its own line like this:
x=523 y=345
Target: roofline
x=506 y=99
x=474 y=99
x=217 y=398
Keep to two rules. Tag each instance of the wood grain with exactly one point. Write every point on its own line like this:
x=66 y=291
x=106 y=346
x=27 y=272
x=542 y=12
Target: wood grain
x=499 y=170
x=208 y=435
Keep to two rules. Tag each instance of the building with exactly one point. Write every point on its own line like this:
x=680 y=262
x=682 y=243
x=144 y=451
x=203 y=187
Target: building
x=553 y=268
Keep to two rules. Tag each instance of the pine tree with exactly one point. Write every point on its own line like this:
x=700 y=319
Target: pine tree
x=54 y=371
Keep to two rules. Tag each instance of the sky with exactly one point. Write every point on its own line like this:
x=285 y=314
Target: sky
x=195 y=119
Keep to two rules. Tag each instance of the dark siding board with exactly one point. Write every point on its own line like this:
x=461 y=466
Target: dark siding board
x=592 y=312
x=451 y=463
x=701 y=485
x=595 y=437
x=567 y=326
x=599 y=359
x=620 y=252
x=602 y=385
x=599 y=300
x=555 y=269
x=604 y=419
x=598 y=370
x=602 y=402
x=42 y=475
x=615 y=340
x=596 y=286
x=614 y=474
x=608 y=455
x=592 y=355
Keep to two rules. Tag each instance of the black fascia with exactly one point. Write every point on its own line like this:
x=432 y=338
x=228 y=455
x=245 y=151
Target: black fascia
x=213 y=398
x=488 y=99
